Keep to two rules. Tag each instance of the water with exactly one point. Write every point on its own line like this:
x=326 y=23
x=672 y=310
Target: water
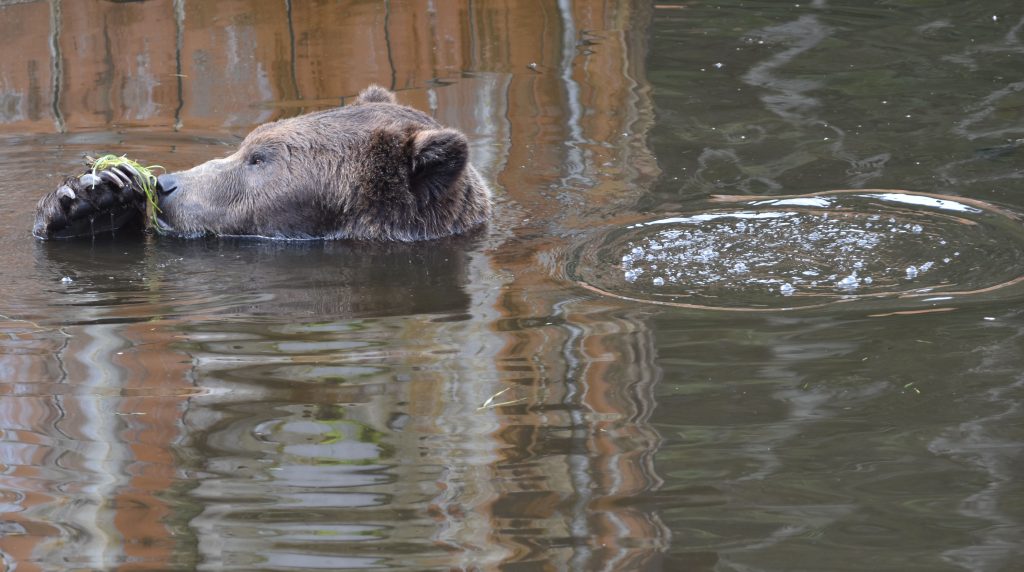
x=513 y=401
x=838 y=247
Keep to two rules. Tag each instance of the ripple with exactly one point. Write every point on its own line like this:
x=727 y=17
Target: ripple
x=782 y=253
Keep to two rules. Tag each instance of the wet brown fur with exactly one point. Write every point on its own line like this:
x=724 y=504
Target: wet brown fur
x=373 y=170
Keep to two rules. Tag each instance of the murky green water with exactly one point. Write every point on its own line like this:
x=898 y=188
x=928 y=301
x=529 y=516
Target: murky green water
x=485 y=403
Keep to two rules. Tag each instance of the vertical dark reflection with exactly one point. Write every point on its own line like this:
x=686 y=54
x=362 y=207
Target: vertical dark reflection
x=611 y=380
x=56 y=64
x=291 y=46
x=473 y=41
x=179 y=42
x=387 y=43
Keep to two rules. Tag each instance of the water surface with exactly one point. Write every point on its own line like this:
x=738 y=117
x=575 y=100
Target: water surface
x=237 y=404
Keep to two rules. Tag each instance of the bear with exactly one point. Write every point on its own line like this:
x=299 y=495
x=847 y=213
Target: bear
x=373 y=170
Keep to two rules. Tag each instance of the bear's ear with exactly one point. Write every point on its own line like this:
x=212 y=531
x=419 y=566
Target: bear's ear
x=438 y=157
x=375 y=94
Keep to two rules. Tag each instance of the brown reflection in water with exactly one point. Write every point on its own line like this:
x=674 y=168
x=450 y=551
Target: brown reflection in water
x=554 y=97
x=205 y=66
x=581 y=464
x=26 y=452
x=116 y=64
x=93 y=462
x=161 y=384
x=26 y=80
x=234 y=61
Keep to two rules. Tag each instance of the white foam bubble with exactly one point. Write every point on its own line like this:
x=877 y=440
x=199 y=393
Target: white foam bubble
x=747 y=250
x=923 y=201
x=850 y=282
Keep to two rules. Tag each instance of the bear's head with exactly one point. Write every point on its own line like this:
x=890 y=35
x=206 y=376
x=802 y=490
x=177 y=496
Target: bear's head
x=372 y=170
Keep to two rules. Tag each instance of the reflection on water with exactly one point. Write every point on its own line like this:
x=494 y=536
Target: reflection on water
x=818 y=461
x=247 y=405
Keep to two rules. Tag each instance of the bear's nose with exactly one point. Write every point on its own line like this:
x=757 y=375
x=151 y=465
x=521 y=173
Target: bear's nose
x=166 y=184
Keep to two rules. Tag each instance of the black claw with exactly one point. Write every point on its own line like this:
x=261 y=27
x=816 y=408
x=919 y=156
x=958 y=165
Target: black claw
x=65 y=196
x=129 y=171
x=89 y=180
x=121 y=175
x=114 y=177
x=66 y=192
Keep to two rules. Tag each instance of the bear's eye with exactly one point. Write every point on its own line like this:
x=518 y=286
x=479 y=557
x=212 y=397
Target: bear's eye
x=257 y=158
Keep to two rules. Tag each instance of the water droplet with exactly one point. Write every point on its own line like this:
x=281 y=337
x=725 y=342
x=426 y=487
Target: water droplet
x=911 y=272
x=659 y=281
x=787 y=289
x=66 y=280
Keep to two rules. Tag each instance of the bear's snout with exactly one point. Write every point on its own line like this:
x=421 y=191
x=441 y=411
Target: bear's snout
x=166 y=184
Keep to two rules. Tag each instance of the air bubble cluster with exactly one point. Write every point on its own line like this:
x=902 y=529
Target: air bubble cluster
x=786 y=253
x=863 y=248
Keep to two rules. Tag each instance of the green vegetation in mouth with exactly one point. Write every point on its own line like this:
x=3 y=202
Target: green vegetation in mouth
x=146 y=184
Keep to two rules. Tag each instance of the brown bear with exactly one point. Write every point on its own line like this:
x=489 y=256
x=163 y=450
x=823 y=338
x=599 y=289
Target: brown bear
x=373 y=170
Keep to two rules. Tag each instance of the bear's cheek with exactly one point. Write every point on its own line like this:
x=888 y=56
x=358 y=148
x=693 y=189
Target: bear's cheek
x=176 y=213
